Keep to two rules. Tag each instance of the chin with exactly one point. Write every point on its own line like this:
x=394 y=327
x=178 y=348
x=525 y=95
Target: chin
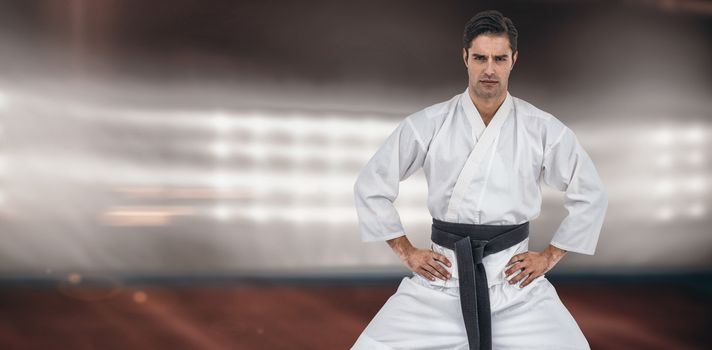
x=486 y=94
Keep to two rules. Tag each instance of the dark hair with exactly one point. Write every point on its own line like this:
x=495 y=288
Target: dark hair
x=490 y=22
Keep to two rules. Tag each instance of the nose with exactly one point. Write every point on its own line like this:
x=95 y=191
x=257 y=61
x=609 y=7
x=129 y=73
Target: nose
x=489 y=69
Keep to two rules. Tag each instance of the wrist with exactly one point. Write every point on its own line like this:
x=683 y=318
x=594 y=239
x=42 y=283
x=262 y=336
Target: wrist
x=553 y=255
x=402 y=247
x=405 y=252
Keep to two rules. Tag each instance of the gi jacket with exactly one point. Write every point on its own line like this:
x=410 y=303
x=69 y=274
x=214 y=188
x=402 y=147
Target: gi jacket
x=479 y=174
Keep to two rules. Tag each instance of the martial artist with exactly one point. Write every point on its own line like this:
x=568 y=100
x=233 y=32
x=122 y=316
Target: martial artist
x=483 y=153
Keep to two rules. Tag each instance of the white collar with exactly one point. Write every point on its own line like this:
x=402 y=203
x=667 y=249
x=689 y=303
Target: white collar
x=474 y=117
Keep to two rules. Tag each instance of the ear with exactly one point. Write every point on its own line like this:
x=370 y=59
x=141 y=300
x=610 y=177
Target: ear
x=464 y=56
x=514 y=58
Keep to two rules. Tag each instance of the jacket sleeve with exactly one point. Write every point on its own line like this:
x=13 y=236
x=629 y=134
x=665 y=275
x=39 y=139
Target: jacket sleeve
x=376 y=187
x=568 y=168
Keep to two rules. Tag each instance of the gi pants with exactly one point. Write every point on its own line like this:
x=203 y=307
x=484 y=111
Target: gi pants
x=422 y=316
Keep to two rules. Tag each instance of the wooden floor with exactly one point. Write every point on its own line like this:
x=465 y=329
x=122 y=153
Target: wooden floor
x=309 y=317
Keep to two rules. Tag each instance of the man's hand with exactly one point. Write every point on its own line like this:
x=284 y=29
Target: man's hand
x=424 y=262
x=427 y=263
x=533 y=264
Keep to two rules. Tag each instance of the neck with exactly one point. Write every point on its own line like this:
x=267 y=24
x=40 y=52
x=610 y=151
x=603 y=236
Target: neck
x=487 y=107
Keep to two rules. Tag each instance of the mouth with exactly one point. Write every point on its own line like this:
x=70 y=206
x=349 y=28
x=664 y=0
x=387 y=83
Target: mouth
x=489 y=82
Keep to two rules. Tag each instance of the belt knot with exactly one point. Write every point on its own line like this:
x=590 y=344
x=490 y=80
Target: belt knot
x=478 y=250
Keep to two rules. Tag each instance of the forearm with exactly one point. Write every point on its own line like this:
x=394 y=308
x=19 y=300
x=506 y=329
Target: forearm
x=401 y=246
x=553 y=255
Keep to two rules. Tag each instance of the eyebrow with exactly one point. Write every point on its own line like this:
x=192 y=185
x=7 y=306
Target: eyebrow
x=496 y=56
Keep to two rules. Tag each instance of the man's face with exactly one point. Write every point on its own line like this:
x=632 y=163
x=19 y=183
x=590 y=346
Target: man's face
x=489 y=62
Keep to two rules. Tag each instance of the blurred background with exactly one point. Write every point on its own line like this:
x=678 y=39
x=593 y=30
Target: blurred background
x=200 y=156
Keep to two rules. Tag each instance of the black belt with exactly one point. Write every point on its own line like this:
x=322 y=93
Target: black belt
x=471 y=243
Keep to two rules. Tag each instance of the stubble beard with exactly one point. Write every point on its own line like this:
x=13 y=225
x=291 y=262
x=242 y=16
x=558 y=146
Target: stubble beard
x=488 y=93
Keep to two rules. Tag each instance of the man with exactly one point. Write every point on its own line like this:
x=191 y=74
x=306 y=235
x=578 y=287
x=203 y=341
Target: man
x=483 y=153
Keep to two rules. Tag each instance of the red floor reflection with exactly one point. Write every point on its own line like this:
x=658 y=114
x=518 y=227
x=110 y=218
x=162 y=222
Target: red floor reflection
x=288 y=317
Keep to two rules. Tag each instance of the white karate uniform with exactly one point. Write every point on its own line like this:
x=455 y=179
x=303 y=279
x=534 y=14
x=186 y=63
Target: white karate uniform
x=479 y=174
